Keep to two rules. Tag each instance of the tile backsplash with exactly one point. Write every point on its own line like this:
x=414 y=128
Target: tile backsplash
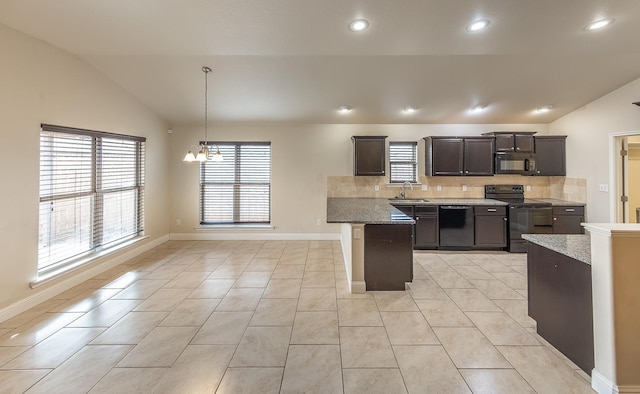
x=564 y=188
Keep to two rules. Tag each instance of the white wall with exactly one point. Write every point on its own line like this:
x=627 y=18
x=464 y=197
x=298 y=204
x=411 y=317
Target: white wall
x=588 y=130
x=42 y=84
x=302 y=158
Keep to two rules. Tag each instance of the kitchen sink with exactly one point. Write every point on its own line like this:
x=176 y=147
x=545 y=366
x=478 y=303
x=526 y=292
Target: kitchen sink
x=408 y=200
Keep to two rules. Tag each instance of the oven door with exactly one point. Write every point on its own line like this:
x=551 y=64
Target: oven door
x=527 y=220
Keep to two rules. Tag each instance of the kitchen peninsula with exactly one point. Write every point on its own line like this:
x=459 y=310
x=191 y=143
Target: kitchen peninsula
x=377 y=238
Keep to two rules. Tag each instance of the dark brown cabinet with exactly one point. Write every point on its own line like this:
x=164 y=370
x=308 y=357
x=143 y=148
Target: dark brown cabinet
x=523 y=143
x=426 y=227
x=369 y=155
x=551 y=155
x=560 y=301
x=388 y=256
x=490 y=226
x=567 y=219
x=459 y=156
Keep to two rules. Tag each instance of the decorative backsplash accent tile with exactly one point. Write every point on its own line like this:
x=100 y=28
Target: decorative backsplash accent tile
x=571 y=189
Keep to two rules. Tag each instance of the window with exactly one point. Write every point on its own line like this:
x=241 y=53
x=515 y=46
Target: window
x=403 y=162
x=91 y=193
x=238 y=189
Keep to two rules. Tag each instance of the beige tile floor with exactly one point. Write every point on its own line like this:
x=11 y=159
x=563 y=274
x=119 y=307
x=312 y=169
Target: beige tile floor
x=276 y=317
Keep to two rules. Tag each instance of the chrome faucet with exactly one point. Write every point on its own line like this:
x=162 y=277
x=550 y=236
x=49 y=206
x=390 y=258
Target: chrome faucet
x=403 y=193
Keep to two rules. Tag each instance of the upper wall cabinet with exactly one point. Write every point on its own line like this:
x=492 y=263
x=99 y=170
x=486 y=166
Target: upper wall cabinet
x=459 y=156
x=551 y=155
x=511 y=141
x=369 y=155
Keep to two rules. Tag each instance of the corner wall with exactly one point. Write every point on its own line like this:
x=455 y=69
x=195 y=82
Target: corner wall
x=588 y=129
x=43 y=84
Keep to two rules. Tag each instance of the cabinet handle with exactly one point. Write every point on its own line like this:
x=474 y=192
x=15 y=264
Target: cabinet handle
x=555 y=218
x=570 y=210
x=518 y=148
x=505 y=219
x=491 y=210
x=461 y=172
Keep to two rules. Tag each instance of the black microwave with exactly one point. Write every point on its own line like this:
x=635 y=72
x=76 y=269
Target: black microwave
x=515 y=163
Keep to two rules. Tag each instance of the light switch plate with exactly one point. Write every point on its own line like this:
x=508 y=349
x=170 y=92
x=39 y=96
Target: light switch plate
x=357 y=233
x=603 y=187
x=439 y=188
x=376 y=188
x=464 y=188
x=424 y=188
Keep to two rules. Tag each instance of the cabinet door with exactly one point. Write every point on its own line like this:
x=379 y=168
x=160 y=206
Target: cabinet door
x=567 y=219
x=505 y=142
x=491 y=231
x=369 y=156
x=447 y=156
x=426 y=231
x=551 y=156
x=478 y=156
x=524 y=143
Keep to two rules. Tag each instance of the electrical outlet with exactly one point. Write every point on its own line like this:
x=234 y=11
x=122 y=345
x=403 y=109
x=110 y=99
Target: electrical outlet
x=318 y=222
x=464 y=188
x=528 y=188
x=177 y=222
x=357 y=233
x=439 y=188
x=603 y=187
x=424 y=188
x=376 y=188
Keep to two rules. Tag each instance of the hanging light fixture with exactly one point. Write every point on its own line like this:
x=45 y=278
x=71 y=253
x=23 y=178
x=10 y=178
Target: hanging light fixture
x=203 y=148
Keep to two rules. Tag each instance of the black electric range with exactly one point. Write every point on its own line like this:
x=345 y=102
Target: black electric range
x=526 y=216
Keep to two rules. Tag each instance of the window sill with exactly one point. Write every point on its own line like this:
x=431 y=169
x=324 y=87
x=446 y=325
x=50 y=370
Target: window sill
x=234 y=227
x=82 y=261
x=395 y=184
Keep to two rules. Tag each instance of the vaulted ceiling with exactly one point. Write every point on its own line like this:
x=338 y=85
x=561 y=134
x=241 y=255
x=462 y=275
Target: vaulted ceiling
x=297 y=61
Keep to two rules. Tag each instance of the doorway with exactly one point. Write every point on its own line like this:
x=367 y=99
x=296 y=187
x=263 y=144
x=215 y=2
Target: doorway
x=627 y=178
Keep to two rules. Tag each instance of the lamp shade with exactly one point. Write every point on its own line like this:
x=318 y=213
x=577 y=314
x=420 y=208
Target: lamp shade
x=189 y=157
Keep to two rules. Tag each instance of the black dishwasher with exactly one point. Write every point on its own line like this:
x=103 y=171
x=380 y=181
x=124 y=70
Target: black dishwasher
x=456 y=227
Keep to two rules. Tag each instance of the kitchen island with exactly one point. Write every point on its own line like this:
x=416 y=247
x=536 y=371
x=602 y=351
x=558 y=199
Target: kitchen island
x=560 y=293
x=376 y=243
x=377 y=238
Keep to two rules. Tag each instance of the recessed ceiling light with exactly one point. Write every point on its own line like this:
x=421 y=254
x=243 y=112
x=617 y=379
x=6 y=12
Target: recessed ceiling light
x=343 y=109
x=359 y=25
x=478 y=25
x=599 y=24
x=544 y=109
x=409 y=109
x=478 y=109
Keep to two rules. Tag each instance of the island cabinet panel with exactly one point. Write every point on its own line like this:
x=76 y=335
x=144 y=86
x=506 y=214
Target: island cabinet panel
x=560 y=301
x=551 y=155
x=567 y=219
x=490 y=227
x=388 y=256
x=369 y=155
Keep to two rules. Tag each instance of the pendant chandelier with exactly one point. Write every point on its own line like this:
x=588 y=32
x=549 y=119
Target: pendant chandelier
x=203 y=148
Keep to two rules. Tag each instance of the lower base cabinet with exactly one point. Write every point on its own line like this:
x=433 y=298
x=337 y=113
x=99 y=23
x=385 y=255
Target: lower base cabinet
x=426 y=228
x=566 y=220
x=388 y=256
x=560 y=301
x=490 y=227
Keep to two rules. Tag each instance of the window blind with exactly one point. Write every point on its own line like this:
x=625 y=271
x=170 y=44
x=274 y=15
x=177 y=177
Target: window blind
x=403 y=162
x=91 y=192
x=238 y=189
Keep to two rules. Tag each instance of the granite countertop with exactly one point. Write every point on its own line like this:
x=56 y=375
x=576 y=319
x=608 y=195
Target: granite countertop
x=364 y=210
x=446 y=201
x=560 y=203
x=576 y=246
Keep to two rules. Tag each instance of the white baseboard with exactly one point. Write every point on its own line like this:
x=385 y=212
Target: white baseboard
x=602 y=385
x=253 y=236
x=67 y=281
